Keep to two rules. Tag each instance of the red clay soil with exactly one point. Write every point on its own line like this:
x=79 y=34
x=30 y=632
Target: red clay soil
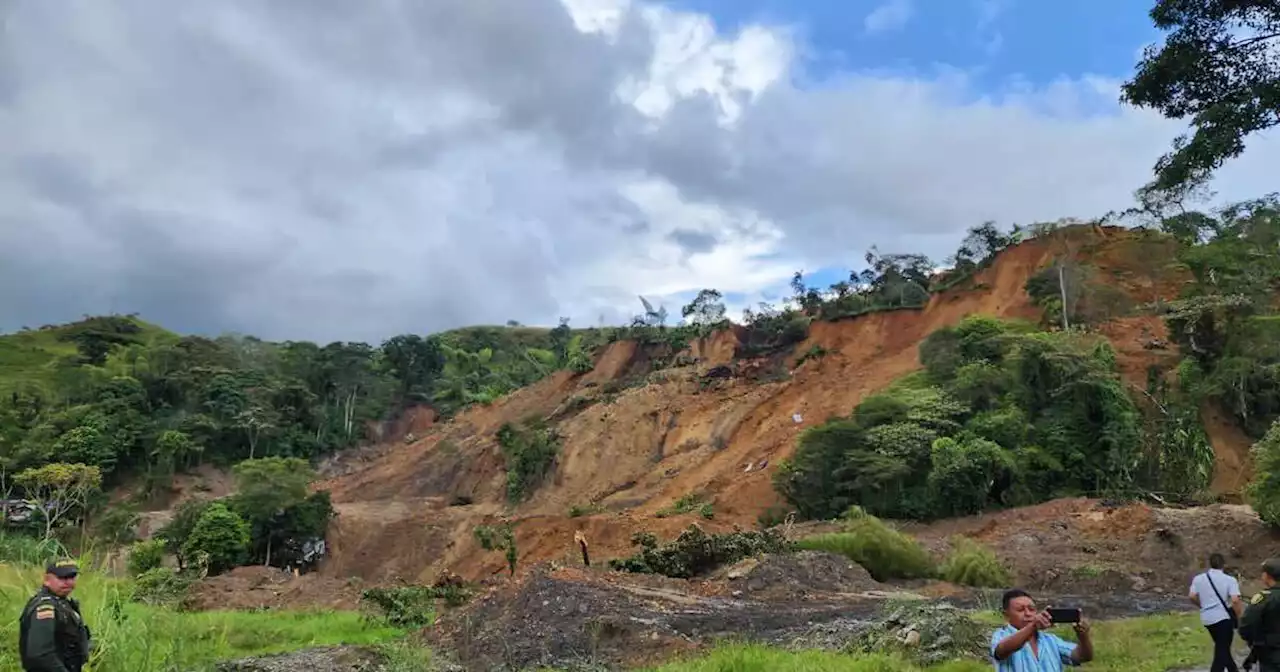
x=273 y=588
x=635 y=442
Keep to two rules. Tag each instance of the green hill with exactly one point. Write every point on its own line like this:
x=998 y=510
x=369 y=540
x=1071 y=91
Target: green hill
x=37 y=357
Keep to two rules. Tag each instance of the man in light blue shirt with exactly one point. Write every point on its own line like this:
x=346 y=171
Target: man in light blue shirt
x=1024 y=646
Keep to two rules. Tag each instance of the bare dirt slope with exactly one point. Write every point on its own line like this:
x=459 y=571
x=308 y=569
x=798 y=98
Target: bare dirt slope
x=408 y=510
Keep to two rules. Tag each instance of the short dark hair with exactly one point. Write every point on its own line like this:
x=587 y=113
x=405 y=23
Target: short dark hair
x=1011 y=595
x=1216 y=561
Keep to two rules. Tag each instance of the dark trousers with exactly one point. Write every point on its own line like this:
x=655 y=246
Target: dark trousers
x=1222 y=634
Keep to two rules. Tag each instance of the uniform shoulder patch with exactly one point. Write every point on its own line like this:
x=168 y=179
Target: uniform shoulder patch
x=1257 y=597
x=44 y=611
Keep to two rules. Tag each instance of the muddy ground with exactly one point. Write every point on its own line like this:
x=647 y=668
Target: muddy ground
x=1113 y=561
x=566 y=617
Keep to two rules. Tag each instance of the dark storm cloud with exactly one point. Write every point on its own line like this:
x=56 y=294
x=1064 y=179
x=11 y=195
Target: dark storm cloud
x=693 y=241
x=331 y=169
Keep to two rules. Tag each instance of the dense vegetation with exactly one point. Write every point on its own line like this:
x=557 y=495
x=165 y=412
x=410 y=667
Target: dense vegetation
x=110 y=401
x=1006 y=413
x=1002 y=415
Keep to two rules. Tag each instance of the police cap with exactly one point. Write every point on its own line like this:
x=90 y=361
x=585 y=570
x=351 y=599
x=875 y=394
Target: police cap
x=1272 y=568
x=63 y=569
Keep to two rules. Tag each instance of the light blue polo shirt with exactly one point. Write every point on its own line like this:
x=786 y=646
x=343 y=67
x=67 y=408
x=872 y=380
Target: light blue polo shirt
x=1055 y=653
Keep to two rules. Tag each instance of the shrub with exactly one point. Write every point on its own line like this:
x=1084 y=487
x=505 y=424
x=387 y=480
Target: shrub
x=145 y=556
x=972 y=564
x=530 y=453
x=883 y=551
x=695 y=552
x=404 y=607
x=221 y=535
x=161 y=586
x=1264 y=492
x=500 y=538
x=24 y=549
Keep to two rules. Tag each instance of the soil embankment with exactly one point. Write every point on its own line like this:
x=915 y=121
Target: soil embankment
x=636 y=440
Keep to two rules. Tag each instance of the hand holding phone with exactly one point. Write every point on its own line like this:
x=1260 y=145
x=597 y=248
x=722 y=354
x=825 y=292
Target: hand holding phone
x=1064 y=615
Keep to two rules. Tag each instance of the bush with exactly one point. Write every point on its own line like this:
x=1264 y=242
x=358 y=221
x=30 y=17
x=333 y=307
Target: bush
x=1263 y=492
x=161 y=586
x=695 y=552
x=406 y=607
x=972 y=564
x=221 y=536
x=530 y=453
x=24 y=549
x=145 y=556
x=883 y=551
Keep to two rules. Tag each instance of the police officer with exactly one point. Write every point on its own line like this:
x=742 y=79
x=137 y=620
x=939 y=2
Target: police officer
x=1260 y=625
x=52 y=635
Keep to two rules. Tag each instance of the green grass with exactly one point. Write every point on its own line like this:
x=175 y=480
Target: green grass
x=131 y=637
x=1147 y=644
x=32 y=358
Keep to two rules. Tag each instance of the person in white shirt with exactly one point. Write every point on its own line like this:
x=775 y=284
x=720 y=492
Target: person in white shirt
x=1218 y=596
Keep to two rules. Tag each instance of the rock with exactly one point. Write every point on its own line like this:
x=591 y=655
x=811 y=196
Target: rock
x=912 y=638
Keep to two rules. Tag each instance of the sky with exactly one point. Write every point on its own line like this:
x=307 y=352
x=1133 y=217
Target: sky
x=328 y=170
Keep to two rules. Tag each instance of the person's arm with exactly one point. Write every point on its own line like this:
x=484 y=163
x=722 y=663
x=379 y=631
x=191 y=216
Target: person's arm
x=1237 y=604
x=1007 y=646
x=1083 y=652
x=41 y=648
x=1195 y=598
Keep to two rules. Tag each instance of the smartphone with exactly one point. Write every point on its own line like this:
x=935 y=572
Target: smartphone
x=1060 y=615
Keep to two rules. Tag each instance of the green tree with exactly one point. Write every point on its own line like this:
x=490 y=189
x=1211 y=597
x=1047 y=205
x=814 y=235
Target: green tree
x=220 y=536
x=1218 y=66
x=60 y=489
x=178 y=530
x=707 y=309
x=1263 y=492
x=266 y=489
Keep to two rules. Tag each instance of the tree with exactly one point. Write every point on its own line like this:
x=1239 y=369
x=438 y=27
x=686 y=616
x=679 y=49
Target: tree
x=221 y=536
x=60 y=488
x=1218 y=65
x=706 y=309
x=415 y=362
x=179 y=528
x=267 y=488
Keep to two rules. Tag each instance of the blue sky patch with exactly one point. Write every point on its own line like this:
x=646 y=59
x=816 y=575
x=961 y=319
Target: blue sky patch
x=997 y=41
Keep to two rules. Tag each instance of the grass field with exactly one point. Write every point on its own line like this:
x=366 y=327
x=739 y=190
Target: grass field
x=1147 y=644
x=32 y=358
x=133 y=638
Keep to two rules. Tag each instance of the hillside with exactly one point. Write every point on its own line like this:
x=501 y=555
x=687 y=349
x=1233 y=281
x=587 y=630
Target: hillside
x=636 y=440
x=36 y=357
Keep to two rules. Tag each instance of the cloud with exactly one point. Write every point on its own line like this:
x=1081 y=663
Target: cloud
x=326 y=170
x=892 y=15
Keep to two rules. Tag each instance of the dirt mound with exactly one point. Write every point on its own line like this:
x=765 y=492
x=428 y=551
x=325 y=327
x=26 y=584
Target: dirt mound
x=1085 y=546
x=798 y=575
x=332 y=659
x=563 y=617
x=272 y=588
x=637 y=441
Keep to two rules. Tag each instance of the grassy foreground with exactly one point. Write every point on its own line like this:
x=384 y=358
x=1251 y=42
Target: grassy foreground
x=1148 y=644
x=135 y=638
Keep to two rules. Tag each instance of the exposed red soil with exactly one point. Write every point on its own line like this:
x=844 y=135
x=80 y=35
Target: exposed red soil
x=635 y=442
x=272 y=588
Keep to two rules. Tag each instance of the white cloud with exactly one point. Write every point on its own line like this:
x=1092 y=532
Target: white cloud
x=892 y=15
x=324 y=170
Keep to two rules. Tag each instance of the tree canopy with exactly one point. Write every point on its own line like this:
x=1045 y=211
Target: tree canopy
x=1219 y=65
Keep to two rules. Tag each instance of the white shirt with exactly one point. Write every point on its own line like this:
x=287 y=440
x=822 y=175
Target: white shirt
x=1211 y=610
